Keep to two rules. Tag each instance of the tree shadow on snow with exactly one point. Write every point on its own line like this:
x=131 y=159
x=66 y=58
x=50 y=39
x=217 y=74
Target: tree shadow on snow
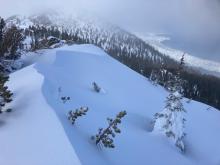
x=2 y=123
x=140 y=122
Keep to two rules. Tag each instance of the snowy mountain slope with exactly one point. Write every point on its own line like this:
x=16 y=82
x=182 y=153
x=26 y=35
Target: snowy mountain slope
x=73 y=70
x=90 y=29
x=157 y=42
x=22 y=21
x=32 y=133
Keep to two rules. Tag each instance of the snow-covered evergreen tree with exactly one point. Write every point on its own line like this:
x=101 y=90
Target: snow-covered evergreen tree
x=73 y=115
x=154 y=77
x=171 y=120
x=105 y=136
x=12 y=42
x=5 y=94
x=160 y=75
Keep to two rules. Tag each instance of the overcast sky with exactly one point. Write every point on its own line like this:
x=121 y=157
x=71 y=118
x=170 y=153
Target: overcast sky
x=194 y=21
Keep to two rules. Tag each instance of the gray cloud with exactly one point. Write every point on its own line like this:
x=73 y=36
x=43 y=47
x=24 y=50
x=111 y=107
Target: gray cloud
x=194 y=22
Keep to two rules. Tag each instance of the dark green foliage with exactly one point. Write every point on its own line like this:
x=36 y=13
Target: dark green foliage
x=73 y=115
x=155 y=77
x=65 y=99
x=52 y=40
x=175 y=83
x=201 y=87
x=5 y=94
x=197 y=86
x=2 y=25
x=43 y=37
x=9 y=110
x=9 y=42
x=105 y=136
x=12 y=41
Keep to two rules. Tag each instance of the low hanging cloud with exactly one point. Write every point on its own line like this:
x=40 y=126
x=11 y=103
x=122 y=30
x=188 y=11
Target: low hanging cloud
x=186 y=17
x=194 y=21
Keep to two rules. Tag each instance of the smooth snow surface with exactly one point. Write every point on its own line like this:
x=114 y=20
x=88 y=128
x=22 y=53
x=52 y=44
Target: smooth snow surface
x=32 y=133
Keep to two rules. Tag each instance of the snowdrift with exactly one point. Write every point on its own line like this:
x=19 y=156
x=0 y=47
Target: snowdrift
x=38 y=132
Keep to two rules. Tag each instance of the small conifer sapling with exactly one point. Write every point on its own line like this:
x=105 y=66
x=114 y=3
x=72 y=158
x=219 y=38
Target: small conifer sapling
x=105 y=136
x=73 y=115
x=65 y=99
x=96 y=87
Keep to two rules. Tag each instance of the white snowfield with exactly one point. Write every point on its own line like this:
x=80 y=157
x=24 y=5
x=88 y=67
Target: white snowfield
x=37 y=131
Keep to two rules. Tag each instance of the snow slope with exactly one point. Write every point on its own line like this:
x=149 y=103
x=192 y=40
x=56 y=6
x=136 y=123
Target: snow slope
x=33 y=133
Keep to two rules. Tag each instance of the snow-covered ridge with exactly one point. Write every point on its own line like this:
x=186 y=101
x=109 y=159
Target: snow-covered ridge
x=37 y=132
x=157 y=42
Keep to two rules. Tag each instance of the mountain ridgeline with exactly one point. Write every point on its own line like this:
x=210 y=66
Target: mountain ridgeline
x=53 y=30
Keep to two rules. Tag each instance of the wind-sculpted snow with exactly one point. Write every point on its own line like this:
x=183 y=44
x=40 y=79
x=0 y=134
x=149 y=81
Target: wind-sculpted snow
x=72 y=72
x=32 y=134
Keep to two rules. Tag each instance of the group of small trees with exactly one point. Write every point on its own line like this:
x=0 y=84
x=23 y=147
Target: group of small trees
x=44 y=37
x=104 y=136
x=170 y=121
